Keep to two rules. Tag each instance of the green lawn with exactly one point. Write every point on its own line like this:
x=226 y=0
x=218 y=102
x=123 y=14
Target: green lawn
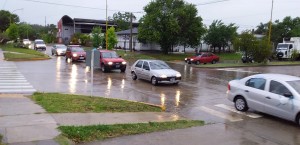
x=15 y=54
x=80 y=134
x=65 y=103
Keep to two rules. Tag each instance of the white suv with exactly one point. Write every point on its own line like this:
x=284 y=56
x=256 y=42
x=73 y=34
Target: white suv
x=39 y=44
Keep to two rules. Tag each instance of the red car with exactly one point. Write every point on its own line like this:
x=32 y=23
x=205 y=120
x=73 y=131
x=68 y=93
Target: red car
x=204 y=57
x=109 y=60
x=75 y=53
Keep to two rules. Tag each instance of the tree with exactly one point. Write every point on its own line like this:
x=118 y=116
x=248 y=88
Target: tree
x=6 y=18
x=13 y=32
x=97 y=37
x=25 y=30
x=164 y=22
x=262 y=50
x=191 y=28
x=111 y=38
x=219 y=35
x=122 y=20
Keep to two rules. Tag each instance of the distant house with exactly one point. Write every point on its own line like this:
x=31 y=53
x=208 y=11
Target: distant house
x=123 y=41
x=68 y=26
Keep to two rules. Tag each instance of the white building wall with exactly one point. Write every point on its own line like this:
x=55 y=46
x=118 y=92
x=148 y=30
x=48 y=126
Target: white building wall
x=67 y=32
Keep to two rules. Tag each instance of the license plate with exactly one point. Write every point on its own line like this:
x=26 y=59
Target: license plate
x=172 y=80
x=81 y=57
x=117 y=66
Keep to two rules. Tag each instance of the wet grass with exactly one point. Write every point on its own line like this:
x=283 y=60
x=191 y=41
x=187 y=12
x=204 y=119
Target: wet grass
x=1 y=138
x=65 y=103
x=80 y=134
x=239 y=64
x=17 y=54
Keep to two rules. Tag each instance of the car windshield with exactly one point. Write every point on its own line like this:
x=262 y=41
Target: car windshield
x=110 y=55
x=77 y=49
x=155 y=65
x=39 y=42
x=282 y=46
x=295 y=85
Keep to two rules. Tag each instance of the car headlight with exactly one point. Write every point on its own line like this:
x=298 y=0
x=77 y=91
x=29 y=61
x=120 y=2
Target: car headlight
x=163 y=76
x=178 y=75
x=192 y=59
x=124 y=62
x=185 y=59
x=74 y=55
x=110 y=63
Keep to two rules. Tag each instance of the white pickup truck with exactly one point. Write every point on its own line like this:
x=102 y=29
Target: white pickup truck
x=285 y=49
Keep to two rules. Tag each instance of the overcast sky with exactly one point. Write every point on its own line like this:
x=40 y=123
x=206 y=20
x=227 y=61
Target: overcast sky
x=246 y=14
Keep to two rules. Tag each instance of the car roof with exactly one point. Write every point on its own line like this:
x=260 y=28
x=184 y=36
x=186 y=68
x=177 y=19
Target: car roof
x=150 y=60
x=282 y=77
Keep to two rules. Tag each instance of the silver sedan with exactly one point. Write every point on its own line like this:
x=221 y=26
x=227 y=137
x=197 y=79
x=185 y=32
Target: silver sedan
x=59 y=49
x=155 y=71
x=274 y=94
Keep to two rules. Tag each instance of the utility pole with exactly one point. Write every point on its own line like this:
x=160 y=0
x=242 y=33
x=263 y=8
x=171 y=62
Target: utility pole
x=270 y=24
x=106 y=36
x=45 y=21
x=130 y=37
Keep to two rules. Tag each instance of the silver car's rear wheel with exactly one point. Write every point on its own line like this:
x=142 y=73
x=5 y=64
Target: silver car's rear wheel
x=153 y=81
x=241 y=104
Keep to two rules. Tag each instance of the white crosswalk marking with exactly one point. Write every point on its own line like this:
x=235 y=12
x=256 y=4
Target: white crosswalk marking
x=220 y=114
x=232 y=109
x=12 y=81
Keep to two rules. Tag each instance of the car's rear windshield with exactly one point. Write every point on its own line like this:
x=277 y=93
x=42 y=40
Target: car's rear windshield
x=295 y=85
x=77 y=49
x=110 y=55
x=39 y=42
x=155 y=65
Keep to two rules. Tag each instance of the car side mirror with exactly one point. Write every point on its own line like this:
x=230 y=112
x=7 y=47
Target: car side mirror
x=291 y=46
x=288 y=95
x=120 y=56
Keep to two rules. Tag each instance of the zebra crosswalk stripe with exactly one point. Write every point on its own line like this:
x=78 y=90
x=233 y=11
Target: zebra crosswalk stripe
x=220 y=114
x=232 y=109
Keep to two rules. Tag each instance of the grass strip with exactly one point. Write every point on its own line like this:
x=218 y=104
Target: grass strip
x=80 y=134
x=225 y=65
x=67 y=103
x=18 y=54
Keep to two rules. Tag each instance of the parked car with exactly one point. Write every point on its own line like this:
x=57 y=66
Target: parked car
x=247 y=59
x=109 y=60
x=26 y=43
x=204 y=57
x=156 y=71
x=39 y=44
x=58 y=49
x=274 y=94
x=75 y=53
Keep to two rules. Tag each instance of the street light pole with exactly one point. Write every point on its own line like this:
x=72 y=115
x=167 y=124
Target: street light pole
x=270 y=24
x=12 y=14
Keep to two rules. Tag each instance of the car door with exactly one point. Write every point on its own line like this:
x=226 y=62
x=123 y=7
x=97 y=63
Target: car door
x=276 y=103
x=146 y=71
x=255 y=91
x=204 y=58
x=138 y=68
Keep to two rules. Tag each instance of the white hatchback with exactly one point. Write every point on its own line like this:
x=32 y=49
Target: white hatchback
x=155 y=71
x=274 y=94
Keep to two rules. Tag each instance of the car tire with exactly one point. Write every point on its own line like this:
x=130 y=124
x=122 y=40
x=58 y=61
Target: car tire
x=154 y=81
x=213 y=62
x=133 y=76
x=66 y=59
x=103 y=68
x=298 y=119
x=176 y=83
x=240 y=104
x=123 y=70
x=198 y=62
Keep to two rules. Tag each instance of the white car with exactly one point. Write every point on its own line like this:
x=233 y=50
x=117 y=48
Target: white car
x=274 y=94
x=39 y=44
x=155 y=71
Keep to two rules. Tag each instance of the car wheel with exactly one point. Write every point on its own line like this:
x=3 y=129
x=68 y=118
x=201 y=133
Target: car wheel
x=213 y=62
x=123 y=70
x=66 y=58
x=103 y=68
x=241 y=104
x=153 y=81
x=198 y=62
x=298 y=119
x=176 y=83
x=52 y=53
x=133 y=76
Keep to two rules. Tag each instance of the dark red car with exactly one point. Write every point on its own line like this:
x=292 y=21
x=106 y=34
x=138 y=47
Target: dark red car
x=75 y=53
x=204 y=57
x=109 y=60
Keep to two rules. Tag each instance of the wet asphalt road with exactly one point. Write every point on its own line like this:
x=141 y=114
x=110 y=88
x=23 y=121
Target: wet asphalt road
x=196 y=97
